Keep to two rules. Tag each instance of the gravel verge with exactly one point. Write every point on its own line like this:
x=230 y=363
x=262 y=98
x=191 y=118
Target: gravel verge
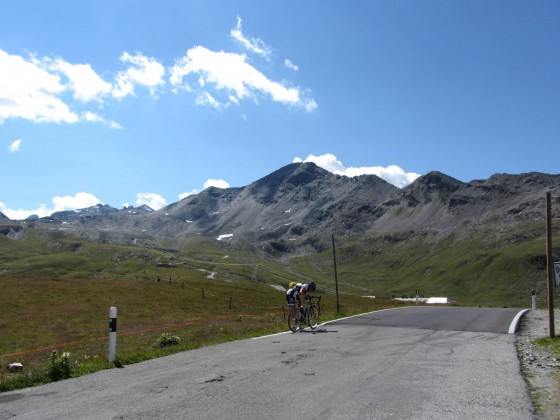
x=540 y=368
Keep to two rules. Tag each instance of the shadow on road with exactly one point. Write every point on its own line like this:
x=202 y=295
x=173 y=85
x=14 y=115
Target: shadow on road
x=317 y=331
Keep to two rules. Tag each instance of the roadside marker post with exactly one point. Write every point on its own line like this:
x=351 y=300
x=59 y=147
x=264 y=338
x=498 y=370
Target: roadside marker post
x=533 y=300
x=112 y=334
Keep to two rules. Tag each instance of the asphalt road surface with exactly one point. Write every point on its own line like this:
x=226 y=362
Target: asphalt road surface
x=415 y=363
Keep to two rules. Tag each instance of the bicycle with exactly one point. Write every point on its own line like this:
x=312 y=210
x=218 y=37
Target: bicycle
x=299 y=314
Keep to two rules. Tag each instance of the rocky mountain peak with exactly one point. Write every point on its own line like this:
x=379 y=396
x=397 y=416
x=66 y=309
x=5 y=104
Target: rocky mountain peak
x=432 y=186
x=295 y=175
x=437 y=181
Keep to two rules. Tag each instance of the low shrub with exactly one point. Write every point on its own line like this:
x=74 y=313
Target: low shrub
x=167 y=340
x=59 y=366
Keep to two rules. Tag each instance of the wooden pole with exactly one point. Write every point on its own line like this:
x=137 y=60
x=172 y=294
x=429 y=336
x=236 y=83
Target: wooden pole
x=335 y=276
x=549 y=265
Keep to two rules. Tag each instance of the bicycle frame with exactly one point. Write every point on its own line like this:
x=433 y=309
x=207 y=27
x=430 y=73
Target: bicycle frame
x=299 y=314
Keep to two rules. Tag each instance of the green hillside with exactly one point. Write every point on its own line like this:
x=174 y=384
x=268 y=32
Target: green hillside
x=474 y=271
x=479 y=268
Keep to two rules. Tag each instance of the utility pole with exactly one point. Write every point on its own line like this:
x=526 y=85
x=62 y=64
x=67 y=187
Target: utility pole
x=549 y=265
x=335 y=276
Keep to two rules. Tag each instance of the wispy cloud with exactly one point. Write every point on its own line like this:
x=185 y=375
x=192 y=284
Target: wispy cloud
x=92 y=117
x=392 y=174
x=15 y=145
x=204 y=98
x=231 y=75
x=289 y=64
x=254 y=45
x=142 y=70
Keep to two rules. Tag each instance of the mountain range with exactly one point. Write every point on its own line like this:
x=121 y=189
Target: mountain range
x=302 y=200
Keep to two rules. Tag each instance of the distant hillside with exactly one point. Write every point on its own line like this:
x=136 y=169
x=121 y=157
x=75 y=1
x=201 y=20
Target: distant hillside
x=438 y=233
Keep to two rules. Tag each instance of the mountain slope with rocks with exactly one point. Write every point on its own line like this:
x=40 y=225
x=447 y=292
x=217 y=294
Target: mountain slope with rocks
x=301 y=200
x=437 y=201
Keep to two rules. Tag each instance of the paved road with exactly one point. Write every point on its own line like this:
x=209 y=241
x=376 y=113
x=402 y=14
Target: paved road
x=350 y=369
x=441 y=318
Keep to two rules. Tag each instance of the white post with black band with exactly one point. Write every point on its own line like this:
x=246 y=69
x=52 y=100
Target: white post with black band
x=112 y=334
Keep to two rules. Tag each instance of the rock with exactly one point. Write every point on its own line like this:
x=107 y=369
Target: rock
x=15 y=367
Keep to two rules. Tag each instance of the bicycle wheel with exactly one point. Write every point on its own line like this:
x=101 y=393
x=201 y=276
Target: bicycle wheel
x=293 y=319
x=313 y=316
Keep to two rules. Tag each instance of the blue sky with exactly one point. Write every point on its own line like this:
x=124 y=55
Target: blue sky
x=144 y=102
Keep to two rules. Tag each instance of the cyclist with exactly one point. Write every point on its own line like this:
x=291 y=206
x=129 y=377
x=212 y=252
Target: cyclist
x=298 y=291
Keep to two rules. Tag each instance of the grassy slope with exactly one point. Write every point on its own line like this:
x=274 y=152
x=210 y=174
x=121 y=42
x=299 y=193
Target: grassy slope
x=475 y=271
x=56 y=296
x=56 y=289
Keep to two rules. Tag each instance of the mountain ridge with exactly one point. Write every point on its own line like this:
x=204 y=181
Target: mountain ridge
x=302 y=200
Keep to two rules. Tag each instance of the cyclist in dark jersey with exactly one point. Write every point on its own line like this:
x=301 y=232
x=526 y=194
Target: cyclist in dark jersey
x=299 y=291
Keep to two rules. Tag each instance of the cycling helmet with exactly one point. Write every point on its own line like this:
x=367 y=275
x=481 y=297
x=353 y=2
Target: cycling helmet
x=311 y=286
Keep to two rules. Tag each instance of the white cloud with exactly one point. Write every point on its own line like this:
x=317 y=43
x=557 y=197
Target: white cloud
x=254 y=45
x=53 y=90
x=326 y=161
x=217 y=183
x=21 y=214
x=288 y=63
x=230 y=72
x=86 y=84
x=114 y=125
x=144 y=71
x=155 y=201
x=15 y=145
x=35 y=90
x=78 y=201
x=392 y=174
x=92 y=117
x=29 y=91
x=206 y=99
x=187 y=194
